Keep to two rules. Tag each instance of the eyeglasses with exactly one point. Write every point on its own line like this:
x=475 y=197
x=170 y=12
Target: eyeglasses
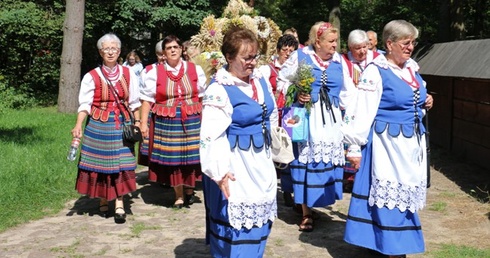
x=404 y=45
x=170 y=47
x=250 y=59
x=110 y=50
x=287 y=50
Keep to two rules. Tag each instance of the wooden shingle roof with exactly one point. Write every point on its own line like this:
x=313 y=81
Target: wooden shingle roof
x=465 y=59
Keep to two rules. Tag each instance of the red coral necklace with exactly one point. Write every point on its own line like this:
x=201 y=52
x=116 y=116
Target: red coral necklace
x=413 y=83
x=177 y=77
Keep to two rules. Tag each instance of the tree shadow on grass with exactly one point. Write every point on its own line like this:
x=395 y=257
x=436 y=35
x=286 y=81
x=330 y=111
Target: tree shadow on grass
x=23 y=135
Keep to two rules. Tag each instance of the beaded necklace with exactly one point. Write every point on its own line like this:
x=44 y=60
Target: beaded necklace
x=177 y=77
x=414 y=83
x=111 y=74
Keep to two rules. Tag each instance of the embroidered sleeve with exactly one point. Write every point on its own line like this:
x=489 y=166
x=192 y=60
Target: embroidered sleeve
x=214 y=147
x=348 y=93
x=359 y=116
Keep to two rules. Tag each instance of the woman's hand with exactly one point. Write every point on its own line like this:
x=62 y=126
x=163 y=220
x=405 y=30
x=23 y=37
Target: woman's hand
x=303 y=97
x=355 y=161
x=429 y=101
x=223 y=184
x=145 y=132
x=76 y=132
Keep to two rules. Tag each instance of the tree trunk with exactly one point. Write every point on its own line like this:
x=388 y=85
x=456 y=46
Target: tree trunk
x=71 y=56
x=444 y=29
x=458 y=30
x=334 y=18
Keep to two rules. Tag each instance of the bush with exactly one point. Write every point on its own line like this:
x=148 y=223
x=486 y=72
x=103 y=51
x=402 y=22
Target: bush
x=11 y=98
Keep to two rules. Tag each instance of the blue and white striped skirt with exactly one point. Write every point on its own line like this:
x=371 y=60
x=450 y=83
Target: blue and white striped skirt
x=224 y=240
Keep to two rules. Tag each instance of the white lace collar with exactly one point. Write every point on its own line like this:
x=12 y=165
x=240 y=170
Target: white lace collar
x=223 y=77
x=382 y=62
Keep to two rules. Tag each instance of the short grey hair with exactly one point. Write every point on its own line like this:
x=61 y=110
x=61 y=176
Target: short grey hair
x=399 y=29
x=357 y=37
x=109 y=37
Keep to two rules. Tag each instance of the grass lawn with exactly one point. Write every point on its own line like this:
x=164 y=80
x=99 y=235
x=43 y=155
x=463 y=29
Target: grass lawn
x=36 y=179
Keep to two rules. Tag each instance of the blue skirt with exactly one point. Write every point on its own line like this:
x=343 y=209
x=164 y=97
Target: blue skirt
x=390 y=232
x=224 y=240
x=286 y=180
x=316 y=184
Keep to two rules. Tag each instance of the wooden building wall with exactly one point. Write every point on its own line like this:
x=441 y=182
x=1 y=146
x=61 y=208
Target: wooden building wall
x=460 y=118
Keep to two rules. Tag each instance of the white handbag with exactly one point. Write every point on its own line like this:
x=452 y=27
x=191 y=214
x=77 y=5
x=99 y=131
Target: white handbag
x=282 y=147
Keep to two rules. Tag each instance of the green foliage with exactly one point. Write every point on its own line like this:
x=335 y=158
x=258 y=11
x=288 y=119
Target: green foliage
x=12 y=98
x=33 y=36
x=31 y=32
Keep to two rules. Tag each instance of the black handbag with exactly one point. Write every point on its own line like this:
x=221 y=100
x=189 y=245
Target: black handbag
x=131 y=134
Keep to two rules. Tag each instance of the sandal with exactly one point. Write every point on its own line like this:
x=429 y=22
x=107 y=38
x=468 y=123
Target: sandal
x=298 y=209
x=179 y=203
x=306 y=224
x=119 y=216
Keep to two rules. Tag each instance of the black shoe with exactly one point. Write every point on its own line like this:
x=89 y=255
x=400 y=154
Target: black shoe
x=288 y=199
x=119 y=217
x=190 y=198
x=104 y=210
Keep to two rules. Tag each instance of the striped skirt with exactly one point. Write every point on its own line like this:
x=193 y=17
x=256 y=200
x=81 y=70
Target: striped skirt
x=225 y=240
x=316 y=184
x=106 y=166
x=390 y=232
x=174 y=150
x=144 y=147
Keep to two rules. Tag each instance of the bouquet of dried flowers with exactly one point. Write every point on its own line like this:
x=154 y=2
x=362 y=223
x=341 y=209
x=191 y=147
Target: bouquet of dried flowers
x=301 y=83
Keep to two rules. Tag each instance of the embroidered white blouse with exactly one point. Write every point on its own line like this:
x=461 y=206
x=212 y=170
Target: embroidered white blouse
x=252 y=200
x=149 y=80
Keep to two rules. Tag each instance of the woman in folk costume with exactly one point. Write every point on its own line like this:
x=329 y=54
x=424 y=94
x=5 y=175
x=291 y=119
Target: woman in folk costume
x=160 y=59
x=358 y=57
x=106 y=166
x=240 y=179
x=387 y=144
x=317 y=170
x=172 y=91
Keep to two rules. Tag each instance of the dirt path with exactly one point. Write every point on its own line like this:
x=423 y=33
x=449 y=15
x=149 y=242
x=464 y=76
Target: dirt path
x=155 y=230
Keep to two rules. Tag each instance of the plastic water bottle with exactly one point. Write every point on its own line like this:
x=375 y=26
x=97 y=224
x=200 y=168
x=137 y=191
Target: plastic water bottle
x=72 y=153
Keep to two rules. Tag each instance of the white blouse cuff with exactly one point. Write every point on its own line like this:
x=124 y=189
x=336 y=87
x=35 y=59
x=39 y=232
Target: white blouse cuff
x=354 y=151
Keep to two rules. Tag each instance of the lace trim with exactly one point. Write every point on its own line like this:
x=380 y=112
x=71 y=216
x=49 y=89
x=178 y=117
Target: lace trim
x=247 y=214
x=223 y=77
x=397 y=195
x=322 y=151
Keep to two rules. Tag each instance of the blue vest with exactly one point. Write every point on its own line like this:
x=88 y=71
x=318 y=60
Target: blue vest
x=335 y=79
x=396 y=111
x=247 y=121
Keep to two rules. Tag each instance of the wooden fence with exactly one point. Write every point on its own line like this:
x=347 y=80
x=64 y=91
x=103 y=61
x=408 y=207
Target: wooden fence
x=460 y=118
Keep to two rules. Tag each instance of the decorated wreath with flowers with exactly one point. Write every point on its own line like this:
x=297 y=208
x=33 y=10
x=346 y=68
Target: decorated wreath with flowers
x=237 y=13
